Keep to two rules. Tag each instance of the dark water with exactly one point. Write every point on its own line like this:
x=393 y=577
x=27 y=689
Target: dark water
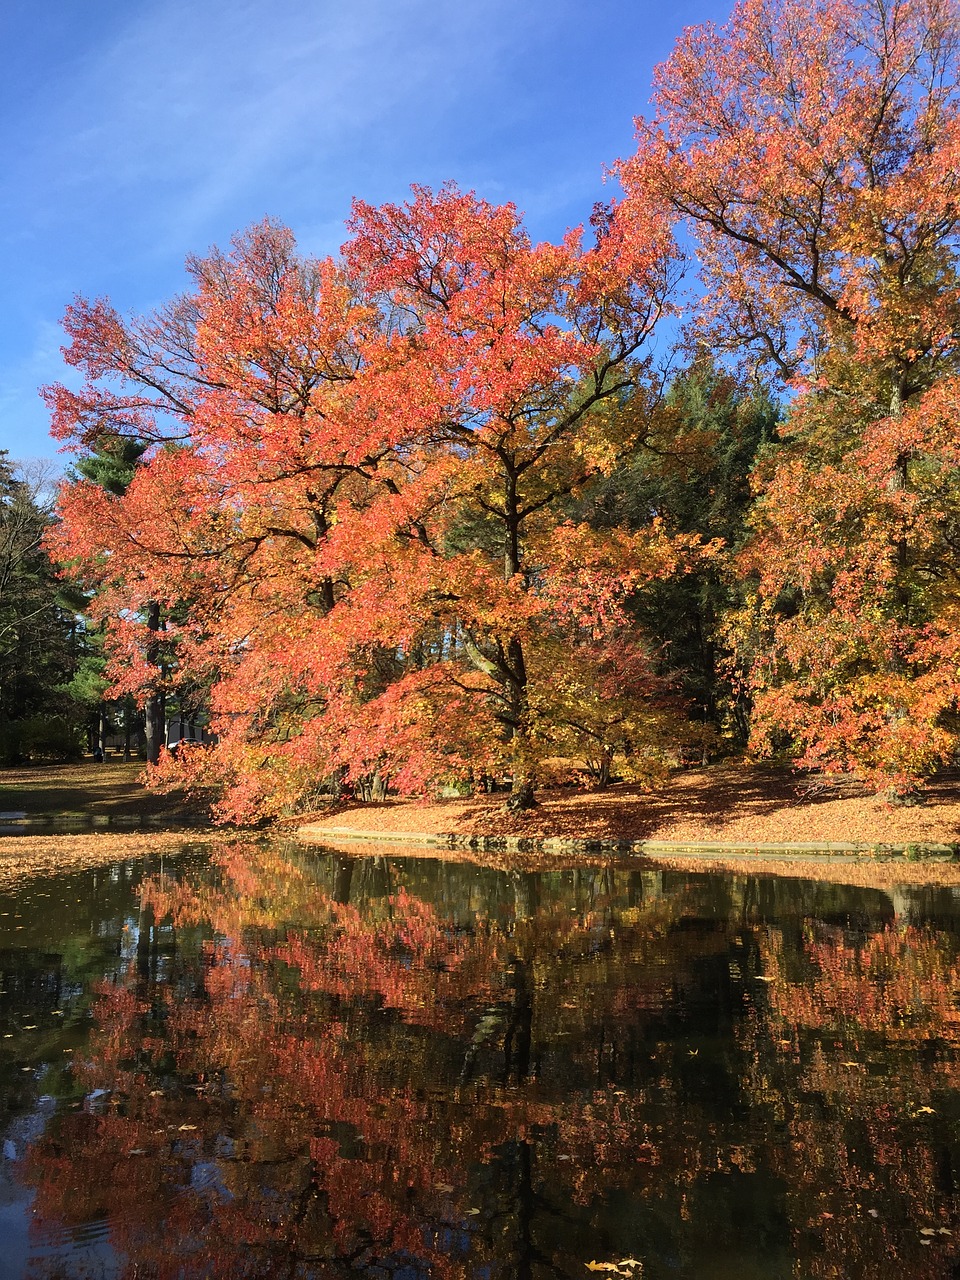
x=300 y=1065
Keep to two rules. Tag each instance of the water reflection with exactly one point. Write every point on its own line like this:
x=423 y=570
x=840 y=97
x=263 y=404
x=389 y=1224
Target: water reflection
x=309 y=1066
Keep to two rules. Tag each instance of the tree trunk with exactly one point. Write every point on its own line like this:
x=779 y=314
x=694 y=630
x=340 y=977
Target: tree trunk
x=153 y=707
x=521 y=795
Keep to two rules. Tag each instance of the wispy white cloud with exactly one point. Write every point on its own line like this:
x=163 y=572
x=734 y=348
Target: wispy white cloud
x=187 y=114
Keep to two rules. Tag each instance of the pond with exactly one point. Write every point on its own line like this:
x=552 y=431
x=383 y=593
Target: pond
x=268 y=1061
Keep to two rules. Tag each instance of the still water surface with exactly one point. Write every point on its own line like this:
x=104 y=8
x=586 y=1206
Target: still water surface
x=275 y=1062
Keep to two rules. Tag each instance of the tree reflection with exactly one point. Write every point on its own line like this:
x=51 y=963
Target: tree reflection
x=319 y=1067
x=857 y=1051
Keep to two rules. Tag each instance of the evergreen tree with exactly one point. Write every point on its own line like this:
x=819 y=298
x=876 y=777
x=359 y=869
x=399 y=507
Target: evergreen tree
x=37 y=630
x=111 y=464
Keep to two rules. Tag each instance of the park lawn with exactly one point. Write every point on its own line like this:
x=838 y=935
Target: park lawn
x=112 y=789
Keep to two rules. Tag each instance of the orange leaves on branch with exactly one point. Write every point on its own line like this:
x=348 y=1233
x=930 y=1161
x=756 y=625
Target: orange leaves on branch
x=813 y=149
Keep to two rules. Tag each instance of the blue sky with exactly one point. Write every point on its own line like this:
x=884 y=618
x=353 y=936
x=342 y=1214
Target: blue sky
x=135 y=133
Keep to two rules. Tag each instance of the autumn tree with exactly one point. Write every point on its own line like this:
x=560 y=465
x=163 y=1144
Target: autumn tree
x=355 y=483
x=811 y=149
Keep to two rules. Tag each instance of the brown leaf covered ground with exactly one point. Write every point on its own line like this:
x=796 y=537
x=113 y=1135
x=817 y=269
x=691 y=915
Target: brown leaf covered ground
x=735 y=804
x=739 y=805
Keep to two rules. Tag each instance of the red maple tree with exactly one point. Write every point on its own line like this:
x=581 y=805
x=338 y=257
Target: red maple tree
x=352 y=508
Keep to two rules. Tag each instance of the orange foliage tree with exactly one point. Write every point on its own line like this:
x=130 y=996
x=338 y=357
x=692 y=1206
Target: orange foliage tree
x=351 y=506
x=813 y=150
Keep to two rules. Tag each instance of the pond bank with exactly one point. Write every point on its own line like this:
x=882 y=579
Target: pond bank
x=875 y=870
x=26 y=856
x=744 y=818
x=731 y=816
